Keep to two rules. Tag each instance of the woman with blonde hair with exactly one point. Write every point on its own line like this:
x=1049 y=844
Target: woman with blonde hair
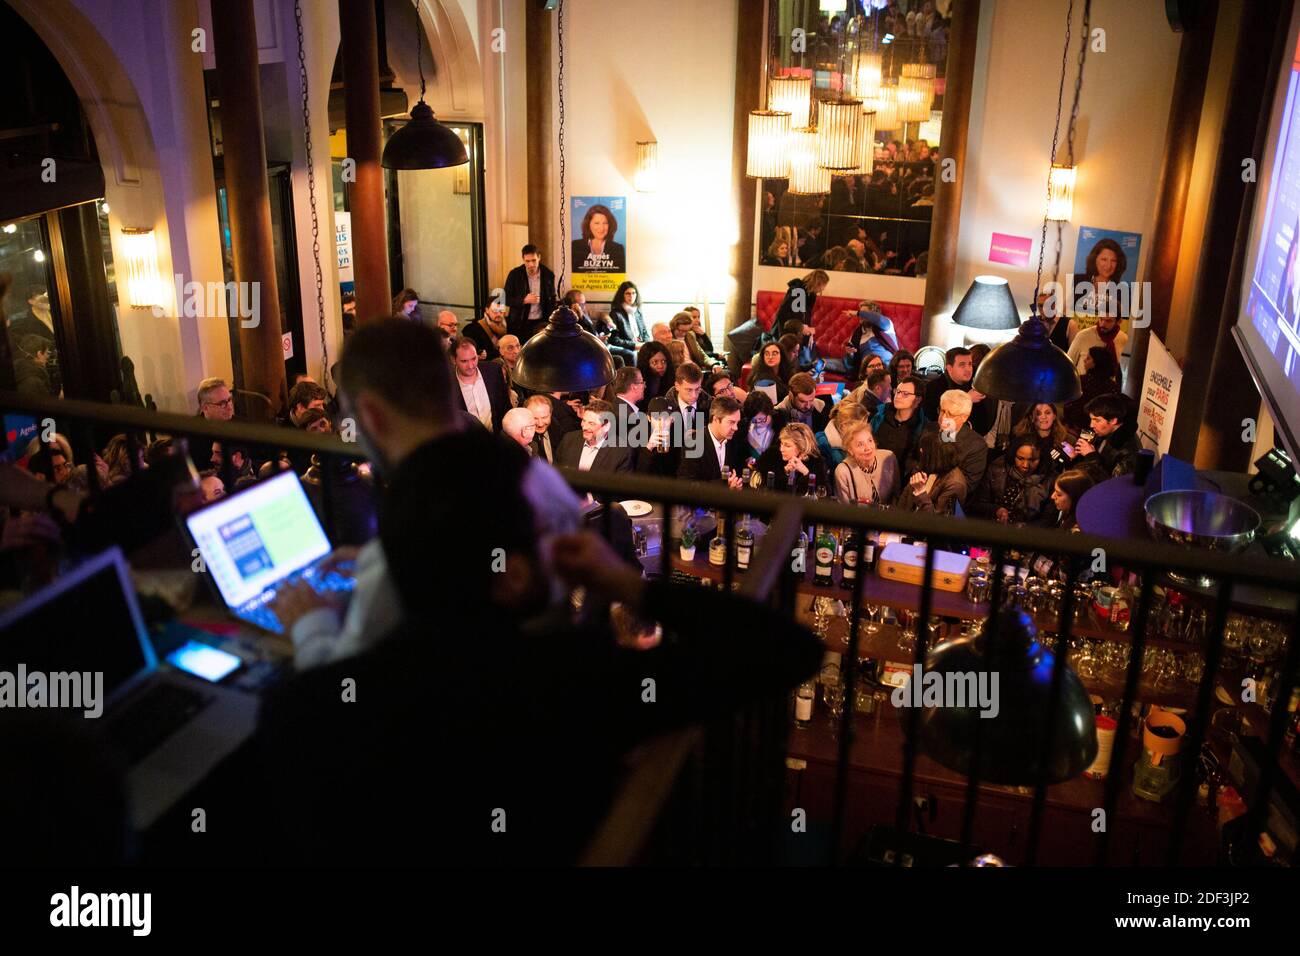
x=793 y=459
x=868 y=475
x=831 y=440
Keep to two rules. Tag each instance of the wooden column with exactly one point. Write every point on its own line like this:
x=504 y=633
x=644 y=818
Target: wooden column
x=1204 y=427
x=360 y=48
x=1175 y=181
x=750 y=43
x=542 y=231
x=952 y=145
x=234 y=34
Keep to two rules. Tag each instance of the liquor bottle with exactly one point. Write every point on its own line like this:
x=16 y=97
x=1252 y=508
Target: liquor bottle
x=849 y=560
x=825 y=544
x=744 y=543
x=869 y=556
x=770 y=481
x=803 y=704
x=718 y=545
x=744 y=477
x=801 y=548
x=1121 y=605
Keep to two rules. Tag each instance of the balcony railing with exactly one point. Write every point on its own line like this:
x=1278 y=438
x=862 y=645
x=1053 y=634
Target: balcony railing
x=725 y=801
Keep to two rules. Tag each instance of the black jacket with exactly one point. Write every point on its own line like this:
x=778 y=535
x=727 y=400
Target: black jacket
x=1115 y=455
x=705 y=467
x=783 y=414
x=772 y=461
x=628 y=329
x=899 y=437
x=516 y=287
x=1001 y=479
x=792 y=307
x=934 y=456
x=494 y=380
x=487 y=349
x=609 y=458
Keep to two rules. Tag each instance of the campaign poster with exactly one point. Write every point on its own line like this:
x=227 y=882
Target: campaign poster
x=343 y=244
x=599 y=249
x=1103 y=260
x=1159 y=400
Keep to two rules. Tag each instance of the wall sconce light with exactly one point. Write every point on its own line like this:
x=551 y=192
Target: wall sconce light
x=143 y=281
x=1060 y=192
x=647 y=166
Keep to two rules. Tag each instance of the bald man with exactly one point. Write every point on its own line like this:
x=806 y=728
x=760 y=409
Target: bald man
x=518 y=425
x=448 y=322
x=661 y=333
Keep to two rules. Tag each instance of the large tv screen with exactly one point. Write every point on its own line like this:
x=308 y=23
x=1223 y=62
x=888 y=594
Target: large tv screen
x=1268 y=329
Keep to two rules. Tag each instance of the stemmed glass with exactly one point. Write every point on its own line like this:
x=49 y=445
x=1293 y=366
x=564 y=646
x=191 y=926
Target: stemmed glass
x=873 y=617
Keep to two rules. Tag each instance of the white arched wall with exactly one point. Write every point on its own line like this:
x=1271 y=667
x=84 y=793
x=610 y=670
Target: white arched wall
x=141 y=88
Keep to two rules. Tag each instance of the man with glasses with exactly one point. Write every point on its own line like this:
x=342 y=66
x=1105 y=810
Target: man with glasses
x=215 y=401
x=897 y=424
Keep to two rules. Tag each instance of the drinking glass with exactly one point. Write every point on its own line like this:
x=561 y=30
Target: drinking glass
x=873 y=613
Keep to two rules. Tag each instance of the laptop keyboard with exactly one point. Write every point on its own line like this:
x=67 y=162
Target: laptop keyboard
x=258 y=611
x=154 y=715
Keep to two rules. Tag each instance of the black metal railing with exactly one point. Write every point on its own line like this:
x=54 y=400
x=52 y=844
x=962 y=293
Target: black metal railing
x=726 y=806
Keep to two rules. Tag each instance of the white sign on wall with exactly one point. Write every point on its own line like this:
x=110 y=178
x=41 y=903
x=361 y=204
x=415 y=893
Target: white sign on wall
x=343 y=245
x=1159 y=399
x=286 y=345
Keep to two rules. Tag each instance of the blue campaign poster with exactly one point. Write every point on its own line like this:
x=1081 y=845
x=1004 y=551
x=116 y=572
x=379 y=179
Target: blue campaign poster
x=599 y=247
x=1103 y=256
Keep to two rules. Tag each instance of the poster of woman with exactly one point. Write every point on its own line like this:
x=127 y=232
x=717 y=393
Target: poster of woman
x=599 y=258
x=1105 y=267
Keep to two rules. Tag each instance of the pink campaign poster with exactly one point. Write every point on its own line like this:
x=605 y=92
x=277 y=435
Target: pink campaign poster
x=1012 y=250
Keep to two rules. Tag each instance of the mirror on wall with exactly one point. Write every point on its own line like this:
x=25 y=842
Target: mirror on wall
x=871 y=213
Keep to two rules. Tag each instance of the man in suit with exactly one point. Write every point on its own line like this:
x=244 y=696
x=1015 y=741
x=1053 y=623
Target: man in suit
x=545 y=444
x=485 y=396
x=628 y=386
x=530 y=294
x=801 y=405
x=718 y=448
x=590 y=449
x=688 y=410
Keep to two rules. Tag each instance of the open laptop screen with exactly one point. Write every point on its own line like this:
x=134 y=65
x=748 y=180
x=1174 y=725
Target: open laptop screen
x=254 y=539
x=87 y=620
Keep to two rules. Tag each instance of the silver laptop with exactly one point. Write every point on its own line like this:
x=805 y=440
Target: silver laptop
x=171 y=728
x=254 y=542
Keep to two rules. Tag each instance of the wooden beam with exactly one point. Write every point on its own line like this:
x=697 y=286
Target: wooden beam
x=538 y=50
x=952 y=145
x=750 y=44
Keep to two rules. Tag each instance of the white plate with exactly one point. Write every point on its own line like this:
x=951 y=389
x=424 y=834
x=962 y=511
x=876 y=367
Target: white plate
x=637 y=509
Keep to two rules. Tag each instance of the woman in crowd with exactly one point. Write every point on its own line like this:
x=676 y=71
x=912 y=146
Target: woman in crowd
x=793 y=459
x=1066 y=492
x=800 y=297
x=901 y=366
x=625 y=312
x=1013 y=491
x=868 y=475
x=1101 y=377
x=117 y=453
x=778 y=253
x=756 y=424
x=406 y=304
x=677 y=352
x=681 y=325
x=897 y=424
x=1044 y=425
x=830 y=442
x=773 y=366
x=656 y=365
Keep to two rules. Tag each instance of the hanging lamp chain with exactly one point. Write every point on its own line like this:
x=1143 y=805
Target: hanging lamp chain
x=1056 y=138
x=419 y=47
x=311 y=194
x=564 y=245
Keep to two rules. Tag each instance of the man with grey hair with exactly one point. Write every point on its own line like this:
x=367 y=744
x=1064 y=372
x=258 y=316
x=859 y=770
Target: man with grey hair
x=215 y=401
x=448 y=322
x=661 y=333
x=509 y=347
x=949 y=461
x=519 y=427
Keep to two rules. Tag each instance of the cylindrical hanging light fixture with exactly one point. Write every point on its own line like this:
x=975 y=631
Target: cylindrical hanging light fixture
x=793 y=95
x=867 y=150
x=886 y=105
x=869 y=72
x=1060 y=192
x=915 y=93
x=806 y=177
x=768 y=156
x=647 y=166
x=839 y=135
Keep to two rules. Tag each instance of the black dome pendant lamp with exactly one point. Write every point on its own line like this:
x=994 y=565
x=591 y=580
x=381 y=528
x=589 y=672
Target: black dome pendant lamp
x=423 y=143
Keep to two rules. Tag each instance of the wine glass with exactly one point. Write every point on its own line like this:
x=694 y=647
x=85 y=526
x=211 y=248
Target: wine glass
x=873 y=613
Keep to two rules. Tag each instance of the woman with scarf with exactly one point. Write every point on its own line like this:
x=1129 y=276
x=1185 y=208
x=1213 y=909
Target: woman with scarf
x=1012 y=491
x=756 y=424
x=868 y=475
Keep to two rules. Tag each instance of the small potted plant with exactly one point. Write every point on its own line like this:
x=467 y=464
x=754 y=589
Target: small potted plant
x=688 y=543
